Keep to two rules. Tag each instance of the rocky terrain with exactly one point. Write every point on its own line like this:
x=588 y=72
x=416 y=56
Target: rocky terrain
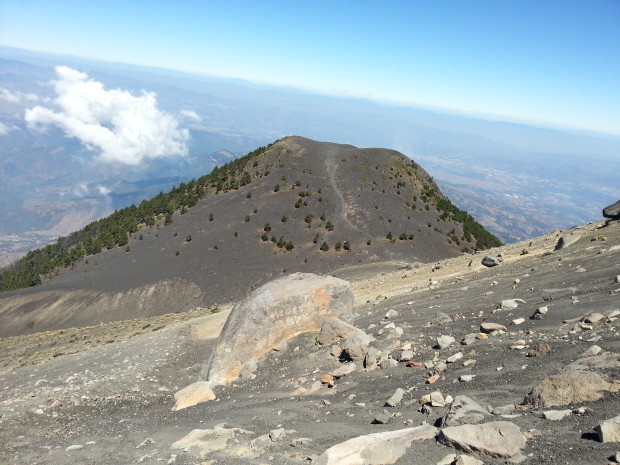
x=516 y=362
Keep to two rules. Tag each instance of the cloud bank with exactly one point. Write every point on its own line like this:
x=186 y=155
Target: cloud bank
x=120 y=126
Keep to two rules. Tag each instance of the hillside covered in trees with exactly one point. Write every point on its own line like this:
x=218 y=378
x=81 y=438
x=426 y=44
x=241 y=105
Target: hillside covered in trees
x=116 y=230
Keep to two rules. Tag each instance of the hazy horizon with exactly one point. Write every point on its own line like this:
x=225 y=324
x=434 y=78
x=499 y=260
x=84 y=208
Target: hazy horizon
x=553 y=64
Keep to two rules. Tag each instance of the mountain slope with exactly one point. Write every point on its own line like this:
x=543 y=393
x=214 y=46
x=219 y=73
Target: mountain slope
x=85 y=395
x=298 y=205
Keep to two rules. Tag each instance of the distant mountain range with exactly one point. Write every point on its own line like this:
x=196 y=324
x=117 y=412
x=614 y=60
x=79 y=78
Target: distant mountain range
x=297 y=205
x=517 y=180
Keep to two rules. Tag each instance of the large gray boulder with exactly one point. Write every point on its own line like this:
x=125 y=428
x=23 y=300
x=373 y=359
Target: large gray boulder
x=569 y=386
x=494 y=439
x=272 y=314
x=612 y=211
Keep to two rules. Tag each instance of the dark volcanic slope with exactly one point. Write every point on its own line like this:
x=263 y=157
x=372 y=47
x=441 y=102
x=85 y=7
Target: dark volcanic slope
x=303 y=194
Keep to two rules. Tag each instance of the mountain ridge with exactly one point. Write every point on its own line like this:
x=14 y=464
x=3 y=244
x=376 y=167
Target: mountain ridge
x=294 y=205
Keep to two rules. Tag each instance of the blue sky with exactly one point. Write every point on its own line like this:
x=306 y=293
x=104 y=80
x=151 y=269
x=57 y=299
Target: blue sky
x=554 y=62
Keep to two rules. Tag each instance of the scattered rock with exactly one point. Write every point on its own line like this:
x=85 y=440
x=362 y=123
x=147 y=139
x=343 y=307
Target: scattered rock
x=356 y=346
x=553 y=294
x=205 y=441
x=592 y=351
x=444 y=341
x=440 y=318
x=469 y=339
x=566 y=240
x=539 y=350
x=272 y=314
x=74 y=447
x=464 y=411
x=510 y=304
x=609 y=430
x=556 y=415
x=193 y=394
x=396 y=398
x=594 y=318
x=488 y=328
x=377 y=448
x=500 y=439
x=490 y=262
x=391 y=314
x=382 y=418
x=343 y=370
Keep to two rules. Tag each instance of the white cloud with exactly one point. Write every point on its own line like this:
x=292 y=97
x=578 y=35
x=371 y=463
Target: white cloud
x=16 y=96
x=191 y=115
x=4 y=129
x=120 y=126
x=103 y=190
x=81 y=190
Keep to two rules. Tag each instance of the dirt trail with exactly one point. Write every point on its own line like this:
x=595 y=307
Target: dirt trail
x=341 y=208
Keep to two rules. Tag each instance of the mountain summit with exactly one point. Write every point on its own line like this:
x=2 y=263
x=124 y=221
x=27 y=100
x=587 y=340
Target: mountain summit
x=296 y=205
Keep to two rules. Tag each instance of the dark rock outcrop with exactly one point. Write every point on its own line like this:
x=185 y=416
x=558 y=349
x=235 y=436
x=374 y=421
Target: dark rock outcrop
x=612 y=211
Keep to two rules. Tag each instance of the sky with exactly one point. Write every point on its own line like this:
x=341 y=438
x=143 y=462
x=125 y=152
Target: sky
x=554 y=62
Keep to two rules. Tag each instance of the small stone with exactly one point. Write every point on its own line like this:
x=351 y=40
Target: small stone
x=336 y=351
x=490 y=327
x=518 y=321
x=437 y=399
x=327 y=379
x=469 y=339
x=388 y=364
x=433 y=379
x=539 y=350
x=556 y=415
x=444 y=341
x=391 y=314
x=382 y=418
x=542 y=310
x=276 y=434
x=414 y=364
x=466 y=378
x=74 y=447
x=490 y=262
x=592 y=351
x=469 y=362
x=396 y=398
x=455 y=357
x=406 y=355
x=440 y=318
x=344 y=370
x=510 y=304
x=503 y=410
x=482 y=336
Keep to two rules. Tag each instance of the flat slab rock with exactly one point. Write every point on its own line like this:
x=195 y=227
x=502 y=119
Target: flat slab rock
x=375 y=448
x=494 y=439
